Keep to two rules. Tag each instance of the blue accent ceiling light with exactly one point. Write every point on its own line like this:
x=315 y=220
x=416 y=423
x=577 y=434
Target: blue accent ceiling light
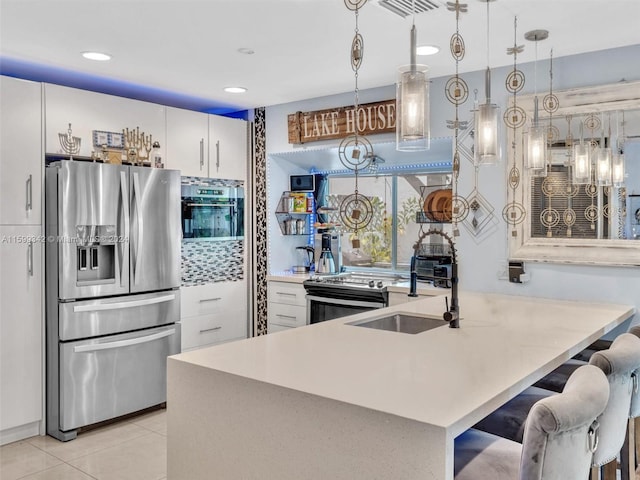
x=13 y=67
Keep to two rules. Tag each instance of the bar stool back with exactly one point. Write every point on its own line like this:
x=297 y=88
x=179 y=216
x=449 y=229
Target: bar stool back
x=559 y=440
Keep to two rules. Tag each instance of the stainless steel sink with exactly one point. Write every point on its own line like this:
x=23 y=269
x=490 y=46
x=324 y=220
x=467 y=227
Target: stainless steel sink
x=402 y=322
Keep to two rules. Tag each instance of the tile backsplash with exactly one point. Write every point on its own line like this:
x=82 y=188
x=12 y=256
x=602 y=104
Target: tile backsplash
x=212 y=261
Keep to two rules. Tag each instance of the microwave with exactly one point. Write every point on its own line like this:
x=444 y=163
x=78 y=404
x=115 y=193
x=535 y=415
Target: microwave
x=212 y=212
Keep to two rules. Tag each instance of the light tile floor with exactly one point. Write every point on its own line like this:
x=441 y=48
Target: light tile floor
x=132 y=449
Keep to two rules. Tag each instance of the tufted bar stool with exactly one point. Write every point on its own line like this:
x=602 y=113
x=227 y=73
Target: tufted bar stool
x=630 y=450
x=619 y=364
x=560 y=436
x=630 y=453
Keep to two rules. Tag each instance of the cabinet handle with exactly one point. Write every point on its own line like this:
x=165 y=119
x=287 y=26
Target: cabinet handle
x=217 y=155
x=286 y=293
x=201 y=153
x=30 y=259
x=29 y=204
x=210 y=299
x=210 y=329
x=286 y=316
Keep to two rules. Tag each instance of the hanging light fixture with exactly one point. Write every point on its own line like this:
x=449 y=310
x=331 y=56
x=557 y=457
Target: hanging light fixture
x=412 y=102
x=487 y=145
x=603 y=160
x=617 y=161
x=581 y=161
x=537 y=135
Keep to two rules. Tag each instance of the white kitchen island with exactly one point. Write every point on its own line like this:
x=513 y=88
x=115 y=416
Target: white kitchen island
x=337 y=401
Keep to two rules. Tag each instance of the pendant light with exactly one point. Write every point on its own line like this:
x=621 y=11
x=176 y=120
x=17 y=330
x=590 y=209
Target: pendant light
x=412 y=102
x=487 y=145
x=581 y=161
x=603 y=160
x=617 y=161
x=537 y=135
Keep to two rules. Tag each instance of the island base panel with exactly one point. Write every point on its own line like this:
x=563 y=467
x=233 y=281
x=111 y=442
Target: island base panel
x=225 y=426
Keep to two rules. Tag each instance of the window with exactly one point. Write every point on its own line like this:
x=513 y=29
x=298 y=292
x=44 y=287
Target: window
x=387 y=241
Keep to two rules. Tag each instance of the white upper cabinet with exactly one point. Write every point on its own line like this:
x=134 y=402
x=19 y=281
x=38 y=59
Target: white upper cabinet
x=187 y=147
x=21 y=158
x=88 y=111
x=227 y=147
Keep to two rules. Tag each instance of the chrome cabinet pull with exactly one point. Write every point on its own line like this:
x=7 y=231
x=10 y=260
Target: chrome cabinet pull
x=210 y=329
x=286 y=316
x=286 y=293
x=30 y=259
x=210 y=299
x=201 y=153
x=29 y=205
x=217 y=155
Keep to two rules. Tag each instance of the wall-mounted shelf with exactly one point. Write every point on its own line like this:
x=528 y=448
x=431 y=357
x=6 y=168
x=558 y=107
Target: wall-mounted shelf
x=294 y=208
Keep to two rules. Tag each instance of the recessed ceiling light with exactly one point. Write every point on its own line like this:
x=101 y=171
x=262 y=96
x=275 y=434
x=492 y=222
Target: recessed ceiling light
x=427 y=50
x=235 y=89
x=100 y=57
x=246 y=51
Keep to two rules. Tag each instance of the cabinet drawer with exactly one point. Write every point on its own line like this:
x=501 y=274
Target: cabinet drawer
x=286 y=315
x=223 y=297
x=273 y=328
x=289 y=293
x=211 y=329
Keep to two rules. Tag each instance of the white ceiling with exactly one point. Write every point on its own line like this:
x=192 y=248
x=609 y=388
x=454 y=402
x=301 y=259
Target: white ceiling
x=302 y=47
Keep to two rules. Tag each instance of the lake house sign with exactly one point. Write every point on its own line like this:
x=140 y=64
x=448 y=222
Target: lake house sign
x=379 y=117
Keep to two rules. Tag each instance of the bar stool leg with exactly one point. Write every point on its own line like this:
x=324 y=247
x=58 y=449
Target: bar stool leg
x=628 y=453
x=609 y=470
x=595 y=473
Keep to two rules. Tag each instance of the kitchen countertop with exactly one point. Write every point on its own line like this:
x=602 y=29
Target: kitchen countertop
x=444 y=379
x=287 y=276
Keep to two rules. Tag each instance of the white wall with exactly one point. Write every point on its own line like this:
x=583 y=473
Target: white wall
x=480 y=261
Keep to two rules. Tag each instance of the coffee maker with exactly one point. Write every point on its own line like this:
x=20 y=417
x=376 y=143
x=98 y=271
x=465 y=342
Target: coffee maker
x=328 y=252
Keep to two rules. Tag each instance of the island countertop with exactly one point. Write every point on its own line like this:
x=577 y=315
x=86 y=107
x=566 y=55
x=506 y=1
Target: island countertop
x=342 y=402
x=505 y=344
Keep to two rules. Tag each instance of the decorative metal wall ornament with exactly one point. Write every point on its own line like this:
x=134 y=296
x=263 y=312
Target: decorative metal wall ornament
x=457 y=92
x=550 y=104
x=514 y=212
x=355 y=152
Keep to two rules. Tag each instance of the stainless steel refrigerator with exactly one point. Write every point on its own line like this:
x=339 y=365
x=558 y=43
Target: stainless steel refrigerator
x=112 y=289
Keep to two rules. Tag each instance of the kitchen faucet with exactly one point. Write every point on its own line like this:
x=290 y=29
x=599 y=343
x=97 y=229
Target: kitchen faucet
x=452 y=313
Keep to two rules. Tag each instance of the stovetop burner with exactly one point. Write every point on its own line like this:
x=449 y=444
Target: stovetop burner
x=350 y=280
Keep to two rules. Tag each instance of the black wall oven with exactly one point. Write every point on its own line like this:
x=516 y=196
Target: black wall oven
x=212 y=212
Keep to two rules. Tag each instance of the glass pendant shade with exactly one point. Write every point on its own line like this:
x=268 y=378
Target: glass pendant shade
x=487 y=147
x=412 y=104
x=603 y=166
x=581 y=164
x=537 y=150
x=617 y=170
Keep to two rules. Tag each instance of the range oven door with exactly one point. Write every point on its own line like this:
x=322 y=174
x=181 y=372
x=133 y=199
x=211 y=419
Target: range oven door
x=321 y=309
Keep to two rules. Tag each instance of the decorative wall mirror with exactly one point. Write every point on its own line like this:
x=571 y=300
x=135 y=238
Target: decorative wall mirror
x=588 y=220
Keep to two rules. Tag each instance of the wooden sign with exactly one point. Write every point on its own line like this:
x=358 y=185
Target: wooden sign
x=379 y=117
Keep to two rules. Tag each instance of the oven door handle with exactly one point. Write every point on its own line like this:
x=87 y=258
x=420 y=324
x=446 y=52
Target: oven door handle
x=341 y=301
x=229 y=205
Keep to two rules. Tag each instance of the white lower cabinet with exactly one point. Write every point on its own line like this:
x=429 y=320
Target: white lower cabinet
x=213 y=313
x=287 y=306
x=20 y=331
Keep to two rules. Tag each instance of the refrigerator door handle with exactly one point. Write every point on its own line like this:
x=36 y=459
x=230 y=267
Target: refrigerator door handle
x=139 y=240
x=125 y=213
x=123 y=343
x=118 y=305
